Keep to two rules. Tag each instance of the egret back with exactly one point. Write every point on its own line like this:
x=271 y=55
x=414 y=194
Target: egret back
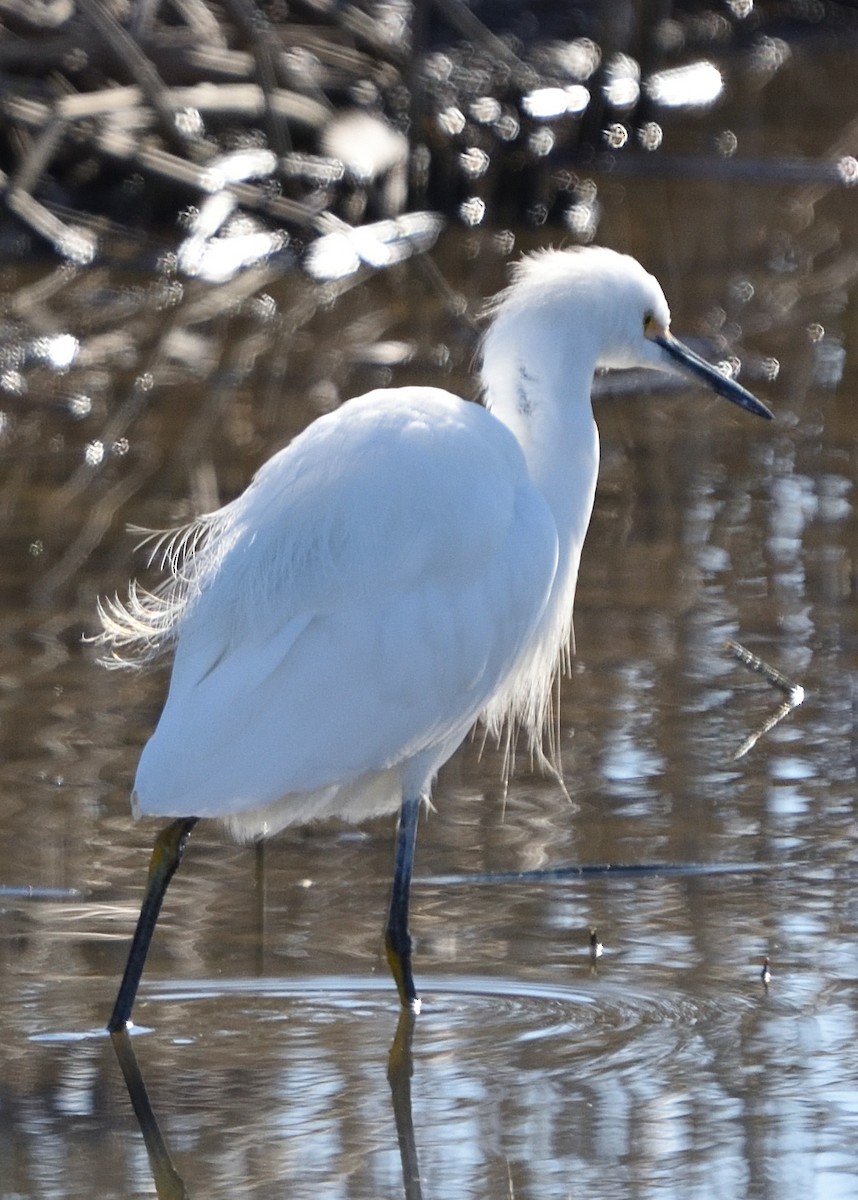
x=349 y=616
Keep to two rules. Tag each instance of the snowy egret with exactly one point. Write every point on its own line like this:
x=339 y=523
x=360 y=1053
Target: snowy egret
x=405 y=567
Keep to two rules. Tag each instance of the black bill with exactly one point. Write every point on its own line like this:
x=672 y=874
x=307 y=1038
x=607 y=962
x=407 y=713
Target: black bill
x=693 y=364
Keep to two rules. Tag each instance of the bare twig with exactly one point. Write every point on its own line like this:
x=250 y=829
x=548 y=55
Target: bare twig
x=256 y=28
x=794 y=693
x=140 y=69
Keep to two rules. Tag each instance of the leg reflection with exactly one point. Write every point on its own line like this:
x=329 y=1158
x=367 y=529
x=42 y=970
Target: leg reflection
x=168 y=1183
x=400 y=1067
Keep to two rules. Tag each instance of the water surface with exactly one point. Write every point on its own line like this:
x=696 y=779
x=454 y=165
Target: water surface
x=663 y=1069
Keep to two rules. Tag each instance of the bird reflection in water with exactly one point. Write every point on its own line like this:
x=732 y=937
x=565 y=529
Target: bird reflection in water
x=169 y=1184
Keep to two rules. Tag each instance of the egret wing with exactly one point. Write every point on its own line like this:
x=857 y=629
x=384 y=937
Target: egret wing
x=370 y=593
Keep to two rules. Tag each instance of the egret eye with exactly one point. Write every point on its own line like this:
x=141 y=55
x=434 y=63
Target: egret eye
x=650 y=326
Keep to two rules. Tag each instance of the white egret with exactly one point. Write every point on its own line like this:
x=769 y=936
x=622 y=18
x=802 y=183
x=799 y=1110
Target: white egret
x=405 y=567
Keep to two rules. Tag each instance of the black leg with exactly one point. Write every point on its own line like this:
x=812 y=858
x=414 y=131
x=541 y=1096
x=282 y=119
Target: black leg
x=166 y=856
x=397 y=939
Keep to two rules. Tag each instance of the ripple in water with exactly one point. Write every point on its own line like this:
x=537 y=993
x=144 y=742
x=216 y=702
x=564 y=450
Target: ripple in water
x=489 y=1015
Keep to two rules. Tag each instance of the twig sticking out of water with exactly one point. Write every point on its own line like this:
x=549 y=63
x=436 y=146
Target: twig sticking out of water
x=765 y=974
x=794 y=693
x=596 y=950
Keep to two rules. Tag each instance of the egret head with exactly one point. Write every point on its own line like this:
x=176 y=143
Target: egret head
x=588 y=308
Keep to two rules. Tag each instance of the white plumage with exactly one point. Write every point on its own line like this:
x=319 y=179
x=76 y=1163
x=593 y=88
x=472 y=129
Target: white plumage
x=404 y=566
x=326 y=649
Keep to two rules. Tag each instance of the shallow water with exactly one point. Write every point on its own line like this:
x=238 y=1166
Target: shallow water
x=666 y=1068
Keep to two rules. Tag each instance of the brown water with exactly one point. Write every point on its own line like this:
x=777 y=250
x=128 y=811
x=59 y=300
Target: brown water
x=665 y=1069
